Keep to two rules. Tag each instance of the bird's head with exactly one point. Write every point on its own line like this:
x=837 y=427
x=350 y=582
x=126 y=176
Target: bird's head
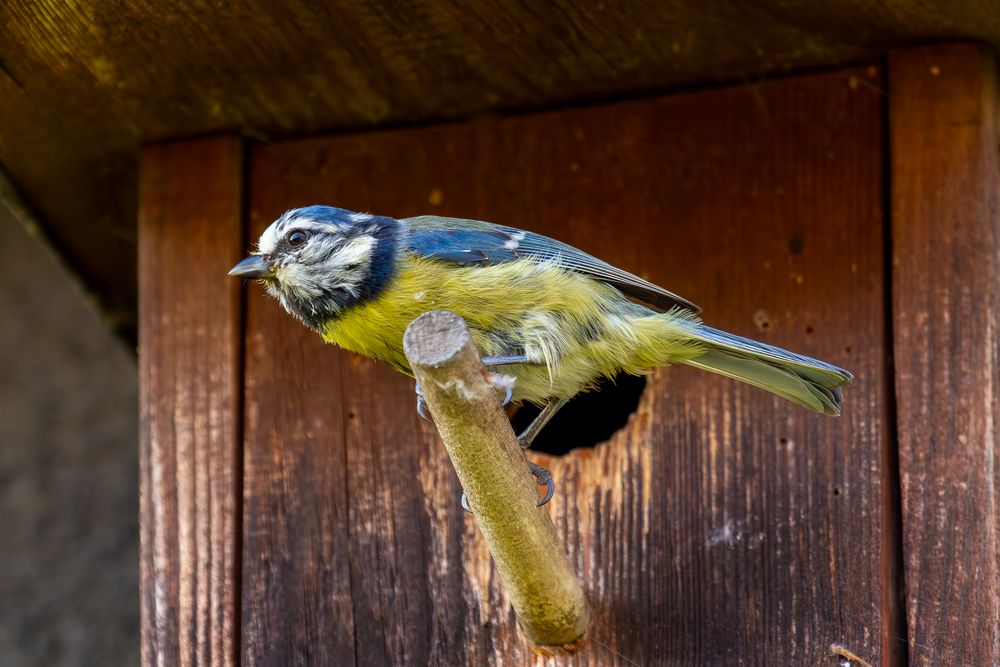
x=319 y=260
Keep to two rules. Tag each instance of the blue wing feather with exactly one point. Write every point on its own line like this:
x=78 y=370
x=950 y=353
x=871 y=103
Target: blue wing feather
x=459 y=246
x=473 y=242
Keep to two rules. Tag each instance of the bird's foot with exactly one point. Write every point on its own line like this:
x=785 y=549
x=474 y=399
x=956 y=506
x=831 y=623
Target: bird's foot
x=421 y=404
x=503 y=382
x=542 y=477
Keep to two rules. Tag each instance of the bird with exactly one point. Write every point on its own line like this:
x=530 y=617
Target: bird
x=556 y=319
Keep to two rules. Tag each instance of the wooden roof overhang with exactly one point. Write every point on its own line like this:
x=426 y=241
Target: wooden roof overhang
x=84 y=85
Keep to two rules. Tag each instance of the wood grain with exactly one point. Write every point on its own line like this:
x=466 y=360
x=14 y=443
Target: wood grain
x=945 y=180
x=191 y=228
x=722 y=525
x=297 y=581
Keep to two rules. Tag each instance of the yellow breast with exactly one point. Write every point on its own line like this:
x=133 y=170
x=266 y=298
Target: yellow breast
x=491 y=299
x=573 y=329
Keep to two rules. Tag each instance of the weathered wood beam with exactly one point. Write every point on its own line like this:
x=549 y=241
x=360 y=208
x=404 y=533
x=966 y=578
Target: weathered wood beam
x=532 y=562
x=943 y=111
x=190 y=440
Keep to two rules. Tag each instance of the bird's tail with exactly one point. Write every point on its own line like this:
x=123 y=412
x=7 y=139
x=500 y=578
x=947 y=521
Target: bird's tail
x=811 y=383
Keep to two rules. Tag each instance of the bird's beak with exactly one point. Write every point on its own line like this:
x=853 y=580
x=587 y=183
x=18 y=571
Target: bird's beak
x=253 y=266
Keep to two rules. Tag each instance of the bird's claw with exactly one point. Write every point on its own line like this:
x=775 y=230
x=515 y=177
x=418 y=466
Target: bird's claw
x=506 y=398
x=506 y=383
x=542 y=476
x=421 y=404
x=421 y=409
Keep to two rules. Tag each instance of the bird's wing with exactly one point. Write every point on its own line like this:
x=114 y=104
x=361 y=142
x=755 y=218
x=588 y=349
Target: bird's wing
x=476 y=243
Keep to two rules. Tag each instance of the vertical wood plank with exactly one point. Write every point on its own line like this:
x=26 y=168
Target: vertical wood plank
x=297 y=604
x=190 y=229
x=946 y=277
x=722 y=525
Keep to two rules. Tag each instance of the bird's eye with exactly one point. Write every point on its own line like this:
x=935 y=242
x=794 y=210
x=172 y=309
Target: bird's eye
x=296 y=237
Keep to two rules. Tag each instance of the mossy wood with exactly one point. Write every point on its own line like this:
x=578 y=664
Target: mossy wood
x=481 y=444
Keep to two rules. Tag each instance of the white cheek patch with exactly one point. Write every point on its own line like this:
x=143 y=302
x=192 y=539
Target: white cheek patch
x=355 y=251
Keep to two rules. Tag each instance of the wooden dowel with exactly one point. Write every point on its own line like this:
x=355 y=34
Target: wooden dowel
x=465 y=405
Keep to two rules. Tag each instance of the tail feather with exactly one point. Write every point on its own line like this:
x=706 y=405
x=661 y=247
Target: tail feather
x=813 y=384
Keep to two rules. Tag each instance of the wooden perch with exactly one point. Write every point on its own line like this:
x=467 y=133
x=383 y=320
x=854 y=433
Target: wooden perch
x=533 y=565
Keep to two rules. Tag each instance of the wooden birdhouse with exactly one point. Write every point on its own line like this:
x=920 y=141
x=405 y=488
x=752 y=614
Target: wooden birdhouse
x=295 y=508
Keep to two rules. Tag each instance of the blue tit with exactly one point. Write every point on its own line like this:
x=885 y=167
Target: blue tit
x=557 y=318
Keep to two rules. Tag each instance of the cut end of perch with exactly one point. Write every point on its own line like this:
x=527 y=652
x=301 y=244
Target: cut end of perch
x=435 y=338
x=552 y=651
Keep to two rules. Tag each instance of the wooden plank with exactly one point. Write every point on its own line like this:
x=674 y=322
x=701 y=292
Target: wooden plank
x=190 y=229
x=297 y=578
x=721 y=525
x=943 y=118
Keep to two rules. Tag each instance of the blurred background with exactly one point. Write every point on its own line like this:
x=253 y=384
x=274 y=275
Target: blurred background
x=69 y=534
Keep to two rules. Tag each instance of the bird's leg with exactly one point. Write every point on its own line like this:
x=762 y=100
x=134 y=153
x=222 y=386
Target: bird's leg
x=526 y=437
x=505 y=360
